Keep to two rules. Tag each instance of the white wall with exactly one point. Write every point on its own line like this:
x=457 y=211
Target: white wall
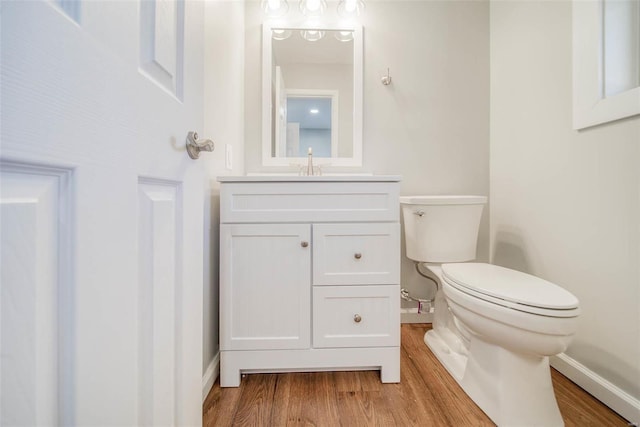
x=565 y=204
x=431 y=125
x=224 y=123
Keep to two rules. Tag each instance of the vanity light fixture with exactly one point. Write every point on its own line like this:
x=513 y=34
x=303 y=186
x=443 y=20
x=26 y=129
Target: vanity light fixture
x=350 y=8
x=275 y=7
x=312 y=7
x=314 y=111
x=312 y=35
x=346 y=8
x=344 y=36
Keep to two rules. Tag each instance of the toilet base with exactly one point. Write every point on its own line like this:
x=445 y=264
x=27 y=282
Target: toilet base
x=512 y=389
x=453 y=361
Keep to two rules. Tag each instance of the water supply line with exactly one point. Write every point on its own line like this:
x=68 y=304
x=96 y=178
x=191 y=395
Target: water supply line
x=424 y=305
x=435 y=282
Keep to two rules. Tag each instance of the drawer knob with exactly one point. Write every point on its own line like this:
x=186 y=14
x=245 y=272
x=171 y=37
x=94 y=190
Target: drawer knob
x=357 y=255
x=357 y=318
x=304 y=244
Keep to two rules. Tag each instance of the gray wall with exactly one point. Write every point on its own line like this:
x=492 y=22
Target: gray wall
x=565 y=203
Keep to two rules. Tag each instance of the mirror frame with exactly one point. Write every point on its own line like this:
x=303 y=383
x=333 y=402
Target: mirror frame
x=267 y=107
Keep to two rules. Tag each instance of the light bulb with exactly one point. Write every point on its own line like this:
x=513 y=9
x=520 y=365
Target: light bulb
x=344 y=36
x=312 y=7
x=350 y=8
x=312 y=35
x=275 y=7
x=280 y=33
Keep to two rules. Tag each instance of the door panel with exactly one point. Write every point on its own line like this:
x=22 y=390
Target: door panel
x=77 y=97
x=35 y=303
x=159 y=258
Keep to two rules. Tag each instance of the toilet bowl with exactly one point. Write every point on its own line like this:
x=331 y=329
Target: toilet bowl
x=494 y=327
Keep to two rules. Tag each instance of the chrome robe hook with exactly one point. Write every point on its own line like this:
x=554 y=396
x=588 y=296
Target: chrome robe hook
x=386 y=80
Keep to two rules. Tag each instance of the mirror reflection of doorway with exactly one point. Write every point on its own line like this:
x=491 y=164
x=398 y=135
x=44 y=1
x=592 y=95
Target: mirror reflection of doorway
x=311 y=123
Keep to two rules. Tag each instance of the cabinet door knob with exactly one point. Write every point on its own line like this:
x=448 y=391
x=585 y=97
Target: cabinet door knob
x=304 y=244
x=357 y=255
x=357 y=318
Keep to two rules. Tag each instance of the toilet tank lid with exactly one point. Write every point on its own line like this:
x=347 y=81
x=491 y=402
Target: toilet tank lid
x=443 y=200
x=510 y=285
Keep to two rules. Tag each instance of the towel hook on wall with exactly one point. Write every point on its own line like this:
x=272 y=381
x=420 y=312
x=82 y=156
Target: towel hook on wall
x=386 y=80
x=194 y=147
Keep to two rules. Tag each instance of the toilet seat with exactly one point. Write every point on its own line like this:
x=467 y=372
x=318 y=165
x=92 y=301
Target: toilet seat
x=511 y=289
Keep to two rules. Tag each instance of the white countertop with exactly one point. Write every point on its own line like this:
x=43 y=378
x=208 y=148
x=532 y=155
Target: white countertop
x=324 y=178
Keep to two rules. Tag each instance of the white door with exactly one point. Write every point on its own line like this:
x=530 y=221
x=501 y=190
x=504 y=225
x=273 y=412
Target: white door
x=101 y=213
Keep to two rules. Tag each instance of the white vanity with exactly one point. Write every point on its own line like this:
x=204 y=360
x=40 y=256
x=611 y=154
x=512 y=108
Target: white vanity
x=309 y=275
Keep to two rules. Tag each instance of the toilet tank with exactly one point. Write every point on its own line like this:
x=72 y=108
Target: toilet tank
x=442 y=229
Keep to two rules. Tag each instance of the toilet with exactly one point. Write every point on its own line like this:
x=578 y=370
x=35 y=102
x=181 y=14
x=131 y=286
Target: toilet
x=494 y=328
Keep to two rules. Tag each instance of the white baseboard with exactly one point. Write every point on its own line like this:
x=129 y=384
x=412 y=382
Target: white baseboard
x=615 y=398
x=411 y=316
x=210 y=376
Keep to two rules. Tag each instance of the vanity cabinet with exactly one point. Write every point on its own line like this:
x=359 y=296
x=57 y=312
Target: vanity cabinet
x=309 y=275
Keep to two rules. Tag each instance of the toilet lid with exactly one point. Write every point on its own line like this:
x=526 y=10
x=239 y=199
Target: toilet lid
x=509 y=285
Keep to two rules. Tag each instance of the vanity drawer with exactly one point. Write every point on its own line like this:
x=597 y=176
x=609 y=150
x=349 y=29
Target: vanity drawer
x=356 y=316
x=356 y=254
x=271 y=202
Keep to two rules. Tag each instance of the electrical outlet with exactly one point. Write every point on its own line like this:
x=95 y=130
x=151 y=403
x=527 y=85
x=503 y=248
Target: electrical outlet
x=228 y=156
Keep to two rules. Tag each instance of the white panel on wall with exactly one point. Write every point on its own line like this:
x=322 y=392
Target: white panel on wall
x=162 y=43
x=35 y=302
x=159 y=212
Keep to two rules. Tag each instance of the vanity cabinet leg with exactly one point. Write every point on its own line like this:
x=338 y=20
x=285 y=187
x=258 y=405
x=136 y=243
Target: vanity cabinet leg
x=229 y=373
x=390 y=369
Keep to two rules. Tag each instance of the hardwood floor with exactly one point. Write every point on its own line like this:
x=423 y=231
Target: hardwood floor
x=426 y=396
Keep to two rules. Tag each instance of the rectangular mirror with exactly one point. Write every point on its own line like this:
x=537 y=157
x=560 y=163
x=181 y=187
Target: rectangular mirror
x=311 y=95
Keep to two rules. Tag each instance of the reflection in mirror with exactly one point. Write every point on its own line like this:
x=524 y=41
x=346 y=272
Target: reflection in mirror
x=309 y=123
x=312 y=95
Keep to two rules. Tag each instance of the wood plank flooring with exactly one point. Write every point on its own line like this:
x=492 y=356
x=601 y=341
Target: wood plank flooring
x=426 y=396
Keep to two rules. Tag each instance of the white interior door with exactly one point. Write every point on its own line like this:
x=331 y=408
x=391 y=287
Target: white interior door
x=101 y=213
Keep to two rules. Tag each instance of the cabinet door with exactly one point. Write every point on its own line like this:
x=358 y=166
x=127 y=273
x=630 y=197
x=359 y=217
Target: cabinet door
x=265 y=287
x=356 y=254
